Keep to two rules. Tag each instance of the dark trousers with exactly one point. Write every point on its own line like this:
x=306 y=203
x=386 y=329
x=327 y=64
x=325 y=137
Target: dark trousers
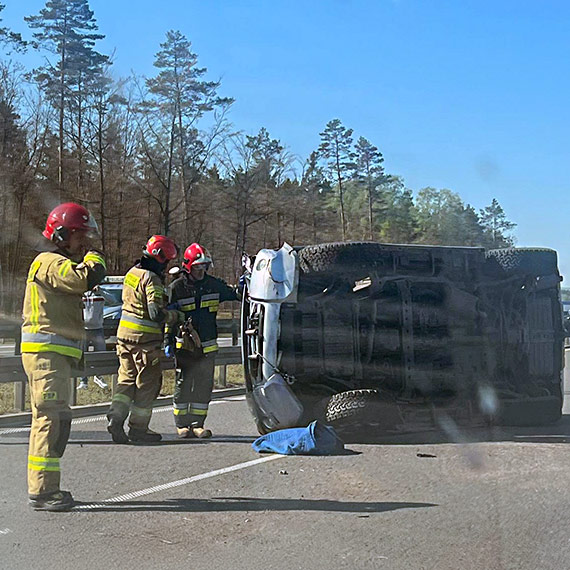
x=193 y=390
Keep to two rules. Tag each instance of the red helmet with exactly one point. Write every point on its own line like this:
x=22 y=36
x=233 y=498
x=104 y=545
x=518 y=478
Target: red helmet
x=195 y=254
x=67 y=218
x=161 y=248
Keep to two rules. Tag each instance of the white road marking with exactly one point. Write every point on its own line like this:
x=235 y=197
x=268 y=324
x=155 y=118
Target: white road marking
x=5 y=531
x=81 y=421
x=174 y=484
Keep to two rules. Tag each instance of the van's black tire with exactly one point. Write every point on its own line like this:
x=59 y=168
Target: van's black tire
x=360 y=412
x=346 y=255
x=533 y=261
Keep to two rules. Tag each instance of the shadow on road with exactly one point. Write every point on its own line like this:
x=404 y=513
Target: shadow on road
x=240 y=504
x=86 y=440
x=450 y=432
x=101 y=438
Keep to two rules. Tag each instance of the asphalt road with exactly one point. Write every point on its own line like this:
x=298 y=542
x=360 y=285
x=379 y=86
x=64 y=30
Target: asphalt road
x=399 y=504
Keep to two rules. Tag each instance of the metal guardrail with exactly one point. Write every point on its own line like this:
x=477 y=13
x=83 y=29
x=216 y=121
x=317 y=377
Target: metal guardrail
x=104 y=363
x=100 y=364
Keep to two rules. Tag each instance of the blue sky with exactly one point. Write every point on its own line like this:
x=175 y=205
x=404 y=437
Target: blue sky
x=467 y=95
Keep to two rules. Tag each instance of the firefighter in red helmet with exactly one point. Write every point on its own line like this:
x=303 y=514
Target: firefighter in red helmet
x=139 y=339
x=52 y=339
x=193 y=343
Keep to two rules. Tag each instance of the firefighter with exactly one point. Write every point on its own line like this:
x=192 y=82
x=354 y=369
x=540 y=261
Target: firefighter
x=52 y=340
x=193 y=343
x=139 y=340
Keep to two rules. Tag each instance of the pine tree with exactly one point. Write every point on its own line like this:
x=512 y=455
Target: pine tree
x=495 y=224
x=370 y=172
x=315 y=187
x=67 y=28
x=9 y=38
x=178 y=97
x=336 y=149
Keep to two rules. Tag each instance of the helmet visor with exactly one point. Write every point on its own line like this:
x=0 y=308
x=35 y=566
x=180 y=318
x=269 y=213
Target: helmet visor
x=91 y=227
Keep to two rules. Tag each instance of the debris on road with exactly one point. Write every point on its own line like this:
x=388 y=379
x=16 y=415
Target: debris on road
x=315 y=439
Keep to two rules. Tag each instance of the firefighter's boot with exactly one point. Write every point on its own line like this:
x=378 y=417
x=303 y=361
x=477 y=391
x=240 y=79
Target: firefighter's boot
x=117 y=431
x=55 y=502
x=144 y=436
x=201 y=432
x=184 y=432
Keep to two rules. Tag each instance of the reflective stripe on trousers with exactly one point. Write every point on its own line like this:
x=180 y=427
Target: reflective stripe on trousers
x=209 y=346
x=197 y=409
x=43 y=463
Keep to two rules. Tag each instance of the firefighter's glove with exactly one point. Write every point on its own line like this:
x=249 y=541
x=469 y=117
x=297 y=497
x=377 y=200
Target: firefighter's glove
x=169 y=351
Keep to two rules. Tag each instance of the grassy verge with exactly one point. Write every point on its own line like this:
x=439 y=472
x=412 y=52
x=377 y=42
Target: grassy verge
x=93 y=394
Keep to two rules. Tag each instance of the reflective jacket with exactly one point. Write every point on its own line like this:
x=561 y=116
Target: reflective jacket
x=198 y=300
x=53 y=312
x=143 y=312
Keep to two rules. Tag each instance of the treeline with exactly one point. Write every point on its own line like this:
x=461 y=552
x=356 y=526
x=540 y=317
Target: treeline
x=160 y=155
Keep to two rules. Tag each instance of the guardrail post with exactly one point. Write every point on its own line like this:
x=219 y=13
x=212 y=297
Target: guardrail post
x=235 y=332
x=20 y=396
x=220 y=375
x=73 y=392
x=18 y=341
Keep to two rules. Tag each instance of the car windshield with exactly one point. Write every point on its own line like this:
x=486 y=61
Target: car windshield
x=112 y=294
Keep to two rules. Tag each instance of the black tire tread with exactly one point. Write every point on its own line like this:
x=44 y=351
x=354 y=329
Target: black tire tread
x=535 y=261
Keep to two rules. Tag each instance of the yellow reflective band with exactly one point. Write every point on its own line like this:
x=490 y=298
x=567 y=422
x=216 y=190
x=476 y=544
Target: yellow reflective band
x=122 y=399
x=65 y=267
x=187 y=308
x=47 y=347
x=43 y=463
x=212 y=303
x=197 y=412
x=139 y=328
x=35 y=302
x=179 y=344
x=180 y=412
x=48 y=396
x=132 y=281
x=36 y=459
x=210 y=348
x=95 y=258
x=33 y=270
x=156 y=289
x=214 y=309
x=34 y=467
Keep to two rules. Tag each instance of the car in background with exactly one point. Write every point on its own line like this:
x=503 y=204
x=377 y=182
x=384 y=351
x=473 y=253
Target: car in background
x=370 y=336
x=112 y=289
x=566 y=316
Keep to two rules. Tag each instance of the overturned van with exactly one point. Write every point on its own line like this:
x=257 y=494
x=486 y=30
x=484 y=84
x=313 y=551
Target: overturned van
x=372 y=336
